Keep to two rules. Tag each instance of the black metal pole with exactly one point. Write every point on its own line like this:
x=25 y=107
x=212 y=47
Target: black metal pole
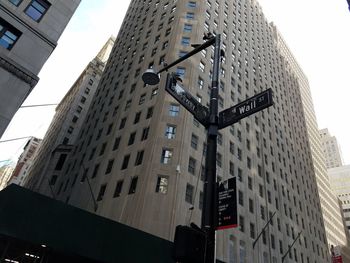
x=209 y=204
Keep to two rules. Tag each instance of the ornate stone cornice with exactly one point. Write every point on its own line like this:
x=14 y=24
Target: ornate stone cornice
x=18 y=71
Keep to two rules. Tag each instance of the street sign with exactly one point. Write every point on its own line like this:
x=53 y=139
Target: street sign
x=226 y=204
x=248 y=107
x=200 y=112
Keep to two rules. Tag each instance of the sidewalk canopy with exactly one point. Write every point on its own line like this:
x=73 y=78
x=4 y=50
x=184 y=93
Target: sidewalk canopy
x=29 y=220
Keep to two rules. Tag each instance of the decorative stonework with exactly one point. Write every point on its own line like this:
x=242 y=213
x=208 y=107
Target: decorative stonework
x=31 y=79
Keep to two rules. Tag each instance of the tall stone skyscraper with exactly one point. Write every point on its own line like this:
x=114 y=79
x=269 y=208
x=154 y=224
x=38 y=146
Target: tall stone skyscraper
x=29 y=31
x=331 y=210
x=68 y=120
x=143 y=153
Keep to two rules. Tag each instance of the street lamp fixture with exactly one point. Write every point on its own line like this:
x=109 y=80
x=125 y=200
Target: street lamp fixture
x=151 y=77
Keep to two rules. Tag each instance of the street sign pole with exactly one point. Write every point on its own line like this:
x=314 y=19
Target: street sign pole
x=209 y=203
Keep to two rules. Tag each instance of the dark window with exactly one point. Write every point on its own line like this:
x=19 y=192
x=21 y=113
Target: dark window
x=125 y=162
x=118 y=188
x=133 y=185
x=94 y=173
x=103 y=148
x=145 y=134
x=149 y=113
x=139 y=158
x=36 y=9
x=109 y=166
x=132 y=138
x=8 y=34
x=137 y=117
x=122 y=123
x=192 y=165
x=60 y=162
x=189 y=193
x=116 y=143
x=101 y=192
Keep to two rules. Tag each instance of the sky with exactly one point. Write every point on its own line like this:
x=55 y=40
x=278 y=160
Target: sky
x=317 y=32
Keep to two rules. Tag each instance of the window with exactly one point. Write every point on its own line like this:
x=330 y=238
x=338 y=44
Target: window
x=8 y=35
x=200 y=83
x=180 y=71
x=103 y=148
x=174 y=110
x=132 y=138
x=187 y=28
x=94 y=173
x=189 y=193
x=162 y=184
x=252 y=230
x=149 y=113
x=118 y=188
x=36 y=9
x=191 y=4
x=137 y=117
x=142 y=98
x=170 y=131
x=116 y=143
x=60 y=162
x=133 y=184
x=122 y=123
x=192 y=165
x=166 y=156
x=101 y=193
x=194 y=141
x=125 y=162
x=139 y=158
x=190 y=15
x=144 y=135
x=109 y=166
x=15 y=2
x=185 y=41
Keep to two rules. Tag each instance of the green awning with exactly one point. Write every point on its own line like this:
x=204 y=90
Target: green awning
x=40 y=220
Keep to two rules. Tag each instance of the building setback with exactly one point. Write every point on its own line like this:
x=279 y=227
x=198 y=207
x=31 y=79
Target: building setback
x=331 y=149
x=29 y=31
x=66 y=124
x=146 y=171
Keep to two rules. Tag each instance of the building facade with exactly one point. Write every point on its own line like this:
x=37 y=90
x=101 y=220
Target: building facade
x=29 y=31
x=339 y=178
x=143 y=154
x=331 y=210
x=331 y=149
x=66 y=124
x=24 y=162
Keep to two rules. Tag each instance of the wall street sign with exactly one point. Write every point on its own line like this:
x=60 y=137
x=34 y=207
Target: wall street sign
x=245 y=108
x=200 y=112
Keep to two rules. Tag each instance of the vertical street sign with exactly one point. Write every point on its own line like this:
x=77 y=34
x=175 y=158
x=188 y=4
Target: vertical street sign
x=200 y=112
x=227 y=204
x=245 y=108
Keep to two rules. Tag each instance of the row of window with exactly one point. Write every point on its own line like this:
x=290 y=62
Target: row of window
x=161 y=187
x=9 y=34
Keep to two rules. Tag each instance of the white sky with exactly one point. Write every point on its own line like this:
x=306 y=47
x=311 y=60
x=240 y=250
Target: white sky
x=317 y=32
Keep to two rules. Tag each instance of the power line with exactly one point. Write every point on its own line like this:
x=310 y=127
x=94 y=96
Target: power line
x=38 y=105
x=15 y=139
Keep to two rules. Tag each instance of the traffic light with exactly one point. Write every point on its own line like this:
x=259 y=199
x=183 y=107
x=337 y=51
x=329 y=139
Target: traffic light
x=189 y=244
